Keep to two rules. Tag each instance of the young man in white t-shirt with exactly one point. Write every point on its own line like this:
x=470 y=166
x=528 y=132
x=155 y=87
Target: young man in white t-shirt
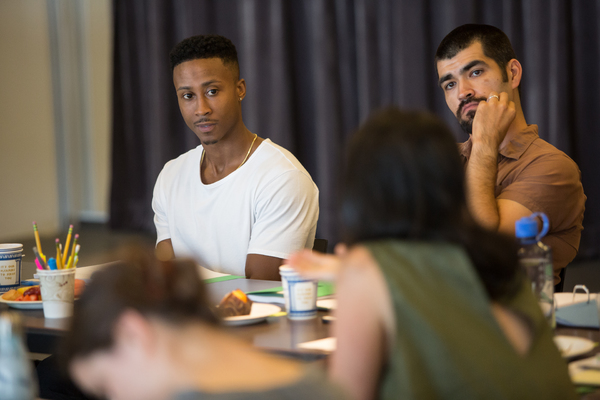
x=237 y=203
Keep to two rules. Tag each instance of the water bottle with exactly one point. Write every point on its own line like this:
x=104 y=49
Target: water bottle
x=536 y=259
x=17 y=379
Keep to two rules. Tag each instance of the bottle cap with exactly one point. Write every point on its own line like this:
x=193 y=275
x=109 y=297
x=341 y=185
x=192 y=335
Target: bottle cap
x=526 y=227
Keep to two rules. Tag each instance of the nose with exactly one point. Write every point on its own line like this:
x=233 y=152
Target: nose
x=465 y=91
x=202 y=108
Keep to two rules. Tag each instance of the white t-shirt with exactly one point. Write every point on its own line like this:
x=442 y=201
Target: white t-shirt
x=269 y=206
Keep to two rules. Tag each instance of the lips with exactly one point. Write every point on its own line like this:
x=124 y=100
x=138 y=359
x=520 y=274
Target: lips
x=206 y=126
x=469 y=107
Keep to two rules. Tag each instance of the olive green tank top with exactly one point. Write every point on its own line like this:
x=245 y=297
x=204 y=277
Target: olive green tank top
x=447 y=343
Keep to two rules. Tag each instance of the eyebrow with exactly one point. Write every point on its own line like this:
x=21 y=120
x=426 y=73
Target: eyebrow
x=462 y=70
x=208 y=83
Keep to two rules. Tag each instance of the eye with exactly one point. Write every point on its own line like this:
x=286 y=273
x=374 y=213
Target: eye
x=449 y=86
x=211 y=92
x=477 y=72
x=187 y=96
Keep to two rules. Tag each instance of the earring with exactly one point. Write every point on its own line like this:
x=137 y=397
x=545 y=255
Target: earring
x=240 y=99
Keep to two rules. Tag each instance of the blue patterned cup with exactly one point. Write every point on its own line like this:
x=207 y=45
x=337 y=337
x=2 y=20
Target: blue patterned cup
x=10 y=266
x=300 y=294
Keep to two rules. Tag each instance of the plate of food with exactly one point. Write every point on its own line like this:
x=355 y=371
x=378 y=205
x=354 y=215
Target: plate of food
x=26 y=297
x=30 y=297
x=237 y=309
x=573 y=346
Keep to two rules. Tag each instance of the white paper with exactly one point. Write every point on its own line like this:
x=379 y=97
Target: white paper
x=267 y=299
x=328 y=344
x=206 y=273
x=86 y=272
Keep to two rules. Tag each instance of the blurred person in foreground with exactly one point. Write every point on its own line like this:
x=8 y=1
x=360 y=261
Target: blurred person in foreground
x=510 y=171
x=430 y=304
x=237 y=204
x=143 y=330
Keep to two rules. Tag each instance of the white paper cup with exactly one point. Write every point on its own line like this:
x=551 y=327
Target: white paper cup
x=58 y=292
x=10 y=266
x=299 y=293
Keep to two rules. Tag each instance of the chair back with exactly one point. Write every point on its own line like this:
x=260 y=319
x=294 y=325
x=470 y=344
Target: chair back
x=320 y=245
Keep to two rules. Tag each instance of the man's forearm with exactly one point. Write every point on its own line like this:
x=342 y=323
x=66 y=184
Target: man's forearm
x=481 y=183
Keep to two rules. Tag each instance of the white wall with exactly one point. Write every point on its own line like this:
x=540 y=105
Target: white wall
x=28 y=183
x=31 y=182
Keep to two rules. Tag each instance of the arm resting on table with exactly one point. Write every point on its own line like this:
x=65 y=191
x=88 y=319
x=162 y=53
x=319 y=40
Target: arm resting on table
x=259 y=266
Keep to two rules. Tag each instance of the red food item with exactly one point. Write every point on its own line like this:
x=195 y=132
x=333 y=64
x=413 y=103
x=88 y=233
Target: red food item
x=32 y=290
x=79 y=287
x=32 y=294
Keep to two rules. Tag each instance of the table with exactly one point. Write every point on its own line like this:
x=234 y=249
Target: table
x=278 y=334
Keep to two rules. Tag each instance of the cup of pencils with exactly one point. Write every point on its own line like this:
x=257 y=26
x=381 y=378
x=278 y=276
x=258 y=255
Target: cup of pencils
x=57 y=276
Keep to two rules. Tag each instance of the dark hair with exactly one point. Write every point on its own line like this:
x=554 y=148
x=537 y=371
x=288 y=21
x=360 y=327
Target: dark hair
x=404 y=180
x=206 y=46
x=494 y=42
x=171 y=291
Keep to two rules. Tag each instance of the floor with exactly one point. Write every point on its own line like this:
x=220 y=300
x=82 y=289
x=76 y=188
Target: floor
x=98 y=244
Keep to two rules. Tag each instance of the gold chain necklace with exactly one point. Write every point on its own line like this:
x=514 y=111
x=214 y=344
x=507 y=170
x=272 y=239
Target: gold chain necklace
x=245 y=158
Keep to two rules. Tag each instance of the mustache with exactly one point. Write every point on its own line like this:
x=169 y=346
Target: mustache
x=204 y=121
x=464 y=103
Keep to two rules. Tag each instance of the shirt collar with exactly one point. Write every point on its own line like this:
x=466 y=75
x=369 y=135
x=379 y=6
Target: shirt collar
x=519 y=142
x=514 y=148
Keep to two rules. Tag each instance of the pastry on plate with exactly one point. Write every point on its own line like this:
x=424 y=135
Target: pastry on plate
x=235 y=303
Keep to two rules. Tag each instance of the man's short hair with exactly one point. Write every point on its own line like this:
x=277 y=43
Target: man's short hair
x=494 y=42
x=206 y=46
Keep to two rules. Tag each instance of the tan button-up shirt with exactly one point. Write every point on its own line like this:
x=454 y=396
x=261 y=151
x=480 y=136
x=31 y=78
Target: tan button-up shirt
x=542 y=178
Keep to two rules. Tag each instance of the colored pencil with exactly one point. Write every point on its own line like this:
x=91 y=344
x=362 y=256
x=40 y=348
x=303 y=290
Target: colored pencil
x=64 y=259
x=37 y=241
x=39 y=258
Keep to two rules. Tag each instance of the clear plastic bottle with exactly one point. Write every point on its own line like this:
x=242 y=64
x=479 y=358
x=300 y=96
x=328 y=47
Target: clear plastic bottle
x=536 y=259
x=17 y=379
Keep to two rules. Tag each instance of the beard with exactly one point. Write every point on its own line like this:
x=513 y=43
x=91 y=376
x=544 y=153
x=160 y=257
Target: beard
x=467 y=123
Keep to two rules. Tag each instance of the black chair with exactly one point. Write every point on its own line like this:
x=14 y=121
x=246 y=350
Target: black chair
x=320 y=245
x=560 y=285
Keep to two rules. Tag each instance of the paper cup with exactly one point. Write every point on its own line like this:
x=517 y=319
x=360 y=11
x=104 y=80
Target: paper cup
x=10 y=266
x=58 y=292
x=299 y=293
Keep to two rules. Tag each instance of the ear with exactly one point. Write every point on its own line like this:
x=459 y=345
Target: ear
x=515 y=72
x=133 y=332
x=241 y=89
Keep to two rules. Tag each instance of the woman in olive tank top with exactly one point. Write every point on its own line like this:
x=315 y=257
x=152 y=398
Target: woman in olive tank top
x=430 y=305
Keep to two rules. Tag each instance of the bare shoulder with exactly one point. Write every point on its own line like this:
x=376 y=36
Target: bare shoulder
x=362 y=281
x=359 y=267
